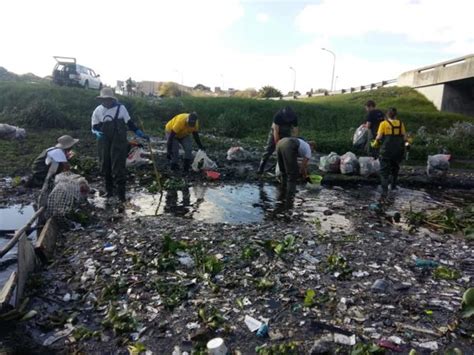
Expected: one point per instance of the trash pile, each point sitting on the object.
(304, 284)
(348, 164)
(9, 132)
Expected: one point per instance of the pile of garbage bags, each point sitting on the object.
(349, 164)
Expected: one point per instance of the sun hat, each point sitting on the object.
(107, 93)
(66, 142)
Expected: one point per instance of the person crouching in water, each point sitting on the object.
(52, 161)
(285, 124)
(178, 132)
(289, 149)
(391, 138)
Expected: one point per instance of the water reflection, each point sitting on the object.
(235, 204)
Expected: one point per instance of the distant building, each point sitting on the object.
(149, 88)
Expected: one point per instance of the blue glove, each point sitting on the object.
(140, 134)
(98, 134)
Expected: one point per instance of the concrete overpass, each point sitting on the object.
(449, 85)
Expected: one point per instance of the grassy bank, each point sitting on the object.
(47, 111)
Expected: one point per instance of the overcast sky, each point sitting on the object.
(236, 44)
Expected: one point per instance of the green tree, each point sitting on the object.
(171, 89)
(269, 91)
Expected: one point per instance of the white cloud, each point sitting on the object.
(262, 18)
(142, 39)
(429, 21)
(162, 40)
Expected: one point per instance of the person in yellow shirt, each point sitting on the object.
(178, 132)
(391, 137)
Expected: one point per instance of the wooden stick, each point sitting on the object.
(152, 156)
(11, 243)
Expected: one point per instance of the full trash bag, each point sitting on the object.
(349, 163)
(203, 162)
(11, 132)
(438, 165)
(369, 166)
(330, 163)
(137, 157)
(238, 154)
(361, 135)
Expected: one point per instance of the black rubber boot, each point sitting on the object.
(261, 167)
(186, 165)
(174, 166)
(109, 189)
(121, 193)
(393, 183)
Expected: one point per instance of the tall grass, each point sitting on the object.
(330, 121)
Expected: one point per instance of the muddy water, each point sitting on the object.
(11, 218)
(328, 208)
(233, 204)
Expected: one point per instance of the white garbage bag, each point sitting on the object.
(349, 163)
(361, 135)
(369, 166)
(11, 132)
(330, 163)
(438, 165)
(137, 157)
(238, 154)
(203, 162)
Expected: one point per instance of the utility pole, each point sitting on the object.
(294, 82)
(333, 66)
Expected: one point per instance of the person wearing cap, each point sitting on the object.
(285, 124)
(178, 132)
(289, 149)
(51, 161)
(110, 122)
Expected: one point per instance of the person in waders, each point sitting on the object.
(53, 160)
(391, 138)
(178, 132)
(285, 124)
(110, 122)
(289, 149)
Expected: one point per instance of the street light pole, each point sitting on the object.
(294, 82)
(333, 66)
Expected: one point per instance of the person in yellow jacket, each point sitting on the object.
(178, 132)
(391, 137)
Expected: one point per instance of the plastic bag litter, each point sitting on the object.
(11, 132)
(361, 135)
(369, 166)
(203, 162)
(349, 163)
(238, 154)
(330, 163)
(137, 157)
(438, 165)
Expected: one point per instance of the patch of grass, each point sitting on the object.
(48, 111)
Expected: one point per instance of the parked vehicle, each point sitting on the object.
(68, 72)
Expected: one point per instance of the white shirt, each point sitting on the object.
(103, 114)
(55, 155)
(304, 150)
